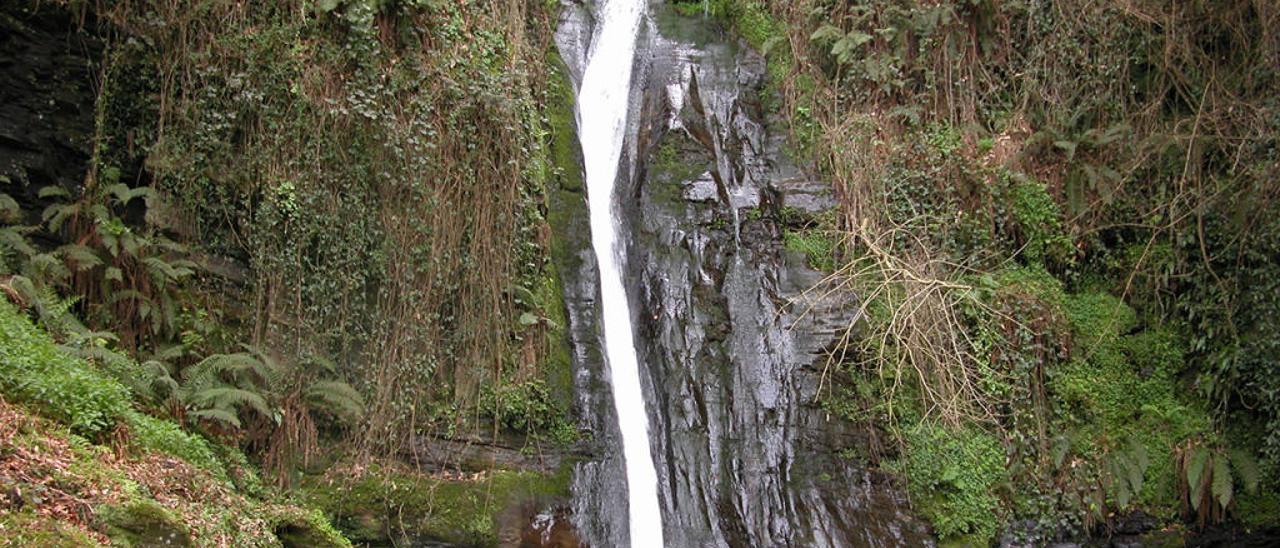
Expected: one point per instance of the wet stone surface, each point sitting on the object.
(730, 340)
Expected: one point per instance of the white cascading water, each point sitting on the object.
(602, 121)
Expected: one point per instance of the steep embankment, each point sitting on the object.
(80, 467)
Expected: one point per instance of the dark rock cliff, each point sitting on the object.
(48, 68)
(730, 339)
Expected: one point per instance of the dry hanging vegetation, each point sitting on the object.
(1136, 115)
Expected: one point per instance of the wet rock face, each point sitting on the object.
(730, 340)
(47, 67)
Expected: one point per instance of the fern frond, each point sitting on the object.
(47, 268)
(9, 208)
(168, 353)
(53, 191)
(15, 238)
(1196, 469)
(1222, 481)
(81, 256)
(230, 397)
(123, 194)
(57, 214)
(336, 398)
(1247, 468)
(218, 415)
(242, 368)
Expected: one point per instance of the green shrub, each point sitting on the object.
(35, 371)
(952, 476)
(525, 407)
(1039, 222)
(1122, 386)
(166, 437)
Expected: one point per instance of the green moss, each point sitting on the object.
(564, 146)
(669, 167)
(952, 477)
(385, 504)
(567, 217)
(297, 528)
(27, 528)
(142, 522)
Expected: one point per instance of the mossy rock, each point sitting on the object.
(27, 528)
(143, 523)
(389, 505)
(308, 530)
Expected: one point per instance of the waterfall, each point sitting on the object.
(602, 120)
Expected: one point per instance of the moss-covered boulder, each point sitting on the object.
(143, 523)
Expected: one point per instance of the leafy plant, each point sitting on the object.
(1207, 477)
(34, 370)
(275, 404)
(525, 407)
(952, 477)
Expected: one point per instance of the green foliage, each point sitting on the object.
(298, 527)
(1121, 386)
(952, 476)
(1207, 477)
(966, 135)
(1039, 224)
(276, 403)
(34, 370)
(127, 280)
(151, 434)
(25, 527)
(224, 387)
(150, 381)
(818, 246)
(374, 170)
(526, 407)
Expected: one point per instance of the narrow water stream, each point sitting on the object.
(602, 122)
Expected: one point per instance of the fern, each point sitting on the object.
(122, 194)
(336, 398)
(81, 257)
(150, 380)
(1222, 481)
(1207, 483)
(224, 416)
(10, 211)
(230, 398)
(1247, 469)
